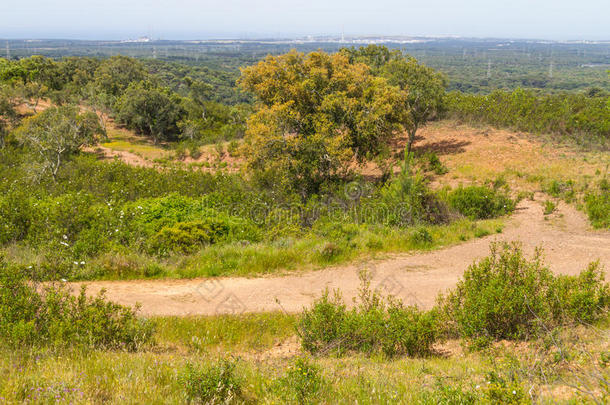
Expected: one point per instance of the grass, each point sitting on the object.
(153, 376)
(124, 141)
(239, 333)
(290, 254)
(313, 252)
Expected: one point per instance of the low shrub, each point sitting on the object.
(478, 202)
(433, 163)
(598, 205)
(215, 384)
(506, 296)
(549, 207)
(303, 380)
(39, 315)
(582, 298)
(561, 189)
(186, 237)
(374, 325)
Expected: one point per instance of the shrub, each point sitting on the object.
(478, 202)
(549, 207)
(15, 216)
(32, 315)
(598, 206)
(421, 236)
(178, 223)
(408, 200)
(581, 298)
(215, 384)
(302, 382)
(374, 325)
(561, 189)
(434, 164)
(506, 296)
(185, 237)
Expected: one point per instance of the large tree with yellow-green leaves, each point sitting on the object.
(317, 115)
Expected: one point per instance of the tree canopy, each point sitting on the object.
(316, 113)
(56, 133)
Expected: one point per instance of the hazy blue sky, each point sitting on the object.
(190, 19)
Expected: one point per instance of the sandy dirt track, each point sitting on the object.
(566, 237)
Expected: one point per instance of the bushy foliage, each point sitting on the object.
(40, 315)
(150, 110)
(57, 133)
(375, 324)
(215, 384)
(303, 380)
(316, 113)
(177, 223)
(580, 117)
(597, 205)
(506, 296)
(479, 202)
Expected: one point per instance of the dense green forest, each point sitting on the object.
(472, 65)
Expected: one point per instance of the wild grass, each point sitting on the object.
(154, 376)
(125, 141)
(235, 333)
(287, 254)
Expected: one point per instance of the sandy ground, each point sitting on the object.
(566, 237)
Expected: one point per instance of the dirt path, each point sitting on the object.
(417, 278)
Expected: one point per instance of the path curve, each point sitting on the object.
(417, 278)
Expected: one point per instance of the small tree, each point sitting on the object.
(424, 87)
(425, 90)
(115, 74)
(150, 110)
(57, 133)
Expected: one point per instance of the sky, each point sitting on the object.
(249, 19)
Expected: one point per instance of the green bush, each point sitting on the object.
(374, 325)
(32, 315)
(561, 189)
(598, 206)
(303, 380)
(477, 202)
(506, 296)
(181, 224)
(581, 298)
(73, 220)
(579, 117)
(15, 216)
(216, 384)
(549, 207)
(408, 200)
(433, 163)
(186, 237)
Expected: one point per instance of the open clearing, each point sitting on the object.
(568, 242)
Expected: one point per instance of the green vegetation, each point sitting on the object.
(477, 202)
(215, 384)
(583, 119)
(308, 127)
(598, 205)
(49, 315)
(215, 359)
(505, 296)
(373, 325)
